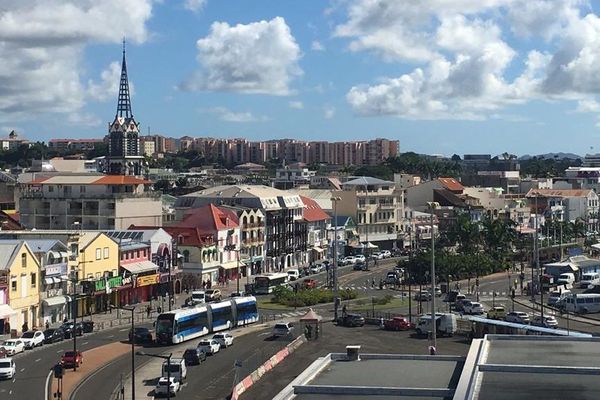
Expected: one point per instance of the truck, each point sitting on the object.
(445, 324)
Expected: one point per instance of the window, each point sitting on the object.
(81, 189)
(186, 256)
(105, 252)
(13, 285)
(50, 188)
(24, 260)
(98, 253)
(33, 280)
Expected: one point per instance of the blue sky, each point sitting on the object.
(440, 76)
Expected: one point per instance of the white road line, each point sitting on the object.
(22, 369)
(46, 385)
(123, 330)
(84, 343)
(59, 351)
(38, 360)
(111, 336)
(10, 392)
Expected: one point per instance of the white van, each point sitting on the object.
(589, 278)
(445, 323)
(293, 274)
(178, 369)
(198, 297)
(568, 278)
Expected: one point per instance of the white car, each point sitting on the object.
(13, 346)
(386, 253)
(518, 317)
(7, 368)
(32, 339)
(377, 255)
(315, 269)
(224, 339)
(348, 260)
(359, 258)
(163, 385)
(209, 346)
(547, 322)
(474, 308)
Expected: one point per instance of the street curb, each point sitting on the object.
(268, 365)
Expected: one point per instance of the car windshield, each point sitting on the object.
(70, 354)
(204, 343)
(10, 343)
(173, 368)
(281, 326)
(4, 364)
(27, 335)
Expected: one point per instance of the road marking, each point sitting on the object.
(38, 360)
(59, 351)
(123, 330)
(10, 392)
(264, 334)
(84, 343)
(46, 385)
(111, 336)
(22, 369)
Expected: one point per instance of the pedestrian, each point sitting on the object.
(373, 283)
(203, 284)
(24, 327)
(7, 327)
(148, 310)
(158, 309)
(344, 310)
(367, 282)
(47, 324)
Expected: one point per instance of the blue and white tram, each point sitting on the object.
(184, 324)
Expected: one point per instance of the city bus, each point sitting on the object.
(184, 324)
(580, 303)
(264, 284)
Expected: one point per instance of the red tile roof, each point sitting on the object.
(558, 193)
(190, 236)
(452, 184)
(210, 218)
(312, 211)
(120, 180)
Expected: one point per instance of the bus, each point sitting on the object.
(580, 303)
(264, 284)
(184, 324)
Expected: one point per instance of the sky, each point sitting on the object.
(440, 76)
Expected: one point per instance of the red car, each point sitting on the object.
(398, 324)
(72, 359)
(310, 283)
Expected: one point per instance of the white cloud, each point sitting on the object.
(224, 114)
(41, 45)
(108, 87)
(587, 105)
(462, 59)
(298, 105)
(328, 112)
(317, 46)
(194, 5)
(260, 57)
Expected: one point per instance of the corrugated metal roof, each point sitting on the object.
(558, 192)
(8, 251)
(367, 180)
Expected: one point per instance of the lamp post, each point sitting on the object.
(335, 200)
(168, 358)
(432, 206)
(132, 310)
(74, 280)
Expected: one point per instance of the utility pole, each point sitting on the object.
(433, 205)
(336, 300)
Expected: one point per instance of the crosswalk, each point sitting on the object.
(293, 314)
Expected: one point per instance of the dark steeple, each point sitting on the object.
(124, 105)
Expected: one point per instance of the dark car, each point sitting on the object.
(88, 326)
(140, 335)
(194, 356)
(68, 329)
(359, 266)
(351, 320)
(53, 335)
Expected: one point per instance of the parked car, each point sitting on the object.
(359, 266)
(437, 290)
(568, 278)
(176, 368)
(386, 253)
(496, 312)
(13, 346)
(377, 255)
(213, 294)
(71, 359)
(310, 283)
(87, 326)
(194, 356)
(140, 335)
(209, 346)
(68, 328)
(348, 260)
(547, 322)
(224, 339)
(32, 339)
(474, 308)
(198, 297)
(445, 324)
(518, 317)
(451, 296)
(351, 320)
(555, 296)
(165, 386)
(360, 257)
(283, 329)
(53, 335)
(238, 294)
(398, 324)
(391, 278)
(293, 274)
(423, 295)
(7, 368)
(460, 304)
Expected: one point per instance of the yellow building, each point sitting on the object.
(21, 269)
(95, 257)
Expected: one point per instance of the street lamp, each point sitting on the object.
(432, 206)
(132, 309)
(74, 281)
(168, 358)
(335, 200)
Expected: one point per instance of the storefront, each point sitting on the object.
(106, 293)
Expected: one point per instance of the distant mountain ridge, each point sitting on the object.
(558, 156)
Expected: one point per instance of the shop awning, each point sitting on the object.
(140, 267)
(318, 249)
(6, 311)
(231, 265)
(55, 301)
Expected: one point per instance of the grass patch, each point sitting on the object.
(267, 304)
(364, 304)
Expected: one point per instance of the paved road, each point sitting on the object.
(33, 366)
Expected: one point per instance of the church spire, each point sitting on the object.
(124, 104)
